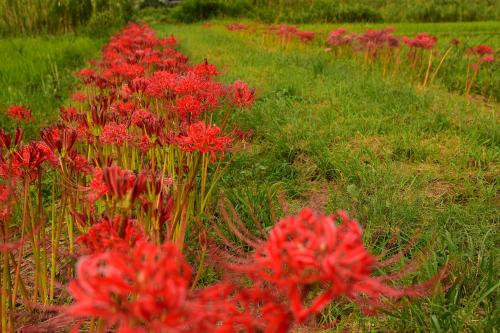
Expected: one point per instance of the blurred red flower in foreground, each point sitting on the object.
(312, 249)
(146, 287)
(308, 261)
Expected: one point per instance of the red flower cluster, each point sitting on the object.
(19, 112)
(483, 49)
(114, 133)
(104, 236)
(146, 287)
(339, 37)
(287, 32)
(423, 40)
(484, 53)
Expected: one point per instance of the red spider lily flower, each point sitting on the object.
(19, 112)
(488, 58)
(230, 308)
(29, 157)
(83, 132)
(104, 237)
(205, 139)
(243, 95)
(188, 105)
(69, 114)
(153, 58)
(140, 117)
(190, 84)
(372, 40)
(145, 287)
(144, 144)
(161, 84)
(97, 186)
(124, 70)
(310, 249)
(123, 108)
(78, 163)
(6, 140)
(483, 49)
(155, 129)
(337, 37)
(87, 75)
(119, 182)
(205, 70)
(305, 36)
(422, 40)
(338, 32)
(176, 64)
(60, 139)
(407, 40)
(210, 94)
(50, 154)
(285, 31)
(169, 41)
(79, 97)
(137, 85)
(114, 133)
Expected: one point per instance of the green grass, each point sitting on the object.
(40, 73)
(401, 160)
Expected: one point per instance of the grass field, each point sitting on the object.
(39, 72)
(403, 161)
(413, 163)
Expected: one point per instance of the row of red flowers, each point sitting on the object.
(383, 47)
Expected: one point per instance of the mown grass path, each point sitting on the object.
(405, 162)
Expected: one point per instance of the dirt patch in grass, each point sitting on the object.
(377, 144)
(317, 195)
(439, 189)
